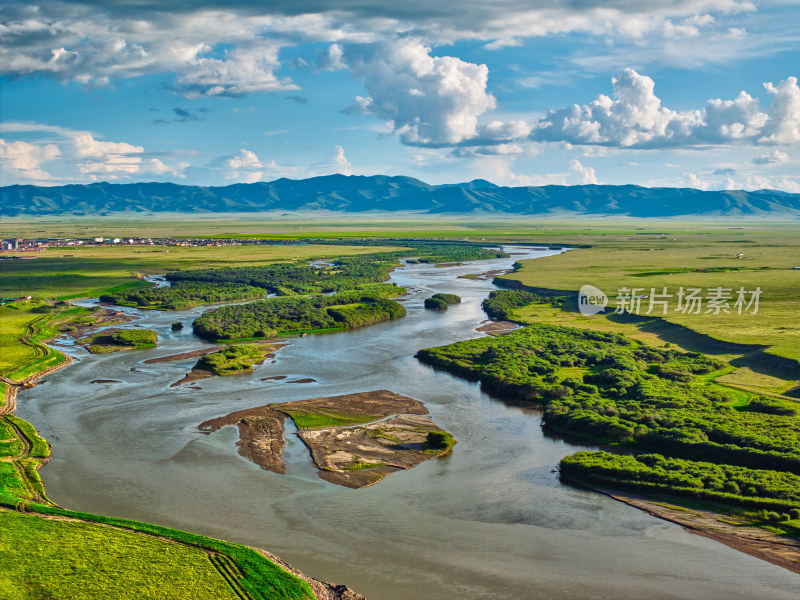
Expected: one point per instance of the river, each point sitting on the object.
(491, 521)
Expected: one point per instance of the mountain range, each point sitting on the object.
(343, 193)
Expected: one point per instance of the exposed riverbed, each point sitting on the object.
(489, 521)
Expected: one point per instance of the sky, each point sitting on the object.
(675, 93)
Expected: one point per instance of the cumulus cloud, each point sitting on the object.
(635, 118)
(776, 157)
(212, 52)
(340, 162)
(242, 159)
(336, 162)
(731, 179)
(25, 160)
(232, 48)
(427, 100)
(53, 148)
(585, 175)
(784, 122)
(494, 150)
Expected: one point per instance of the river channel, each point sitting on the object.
(491, 521)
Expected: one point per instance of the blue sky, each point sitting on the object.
(690, 93)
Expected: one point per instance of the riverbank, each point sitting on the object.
(730, 530)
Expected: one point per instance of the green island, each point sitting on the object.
(295, 314)
(184, 294)
(119, 339)
(234, 360)
(441, 301)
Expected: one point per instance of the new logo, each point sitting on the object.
(591, 300)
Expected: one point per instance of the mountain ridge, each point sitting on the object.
(361, 193)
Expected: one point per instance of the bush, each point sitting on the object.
(438, 440)
(449, 298)
(135, 337)
(435, 304)
(770, 406)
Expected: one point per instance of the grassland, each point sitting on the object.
(75, 272)
(695, 259)
(59, 559)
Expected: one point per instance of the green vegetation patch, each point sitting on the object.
(59, 559)
(233, 359)
(438, 441)
(449, 298)
(501, 304)
(266, 318)
(441, 301)
(323, 418)
(630, 394)
(757, 488)
(12, 486)
(435, 304)
(122, 339)
(39, 446)
(185, 294)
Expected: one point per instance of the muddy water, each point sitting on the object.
(490, 521)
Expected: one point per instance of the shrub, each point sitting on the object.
(449, 298)
(135, 337)
(770, 406)
(435, 304)
(438, 440)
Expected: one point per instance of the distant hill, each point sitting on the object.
(381, 193)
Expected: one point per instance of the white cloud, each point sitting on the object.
(500, 170)
(216, 49)
(93, 45)
(331, 59)
(494, 150)
(585, 175)
(241, 71)
(53, 150)
(26, 159)
(244, 159)
(336, 162)
(428, 100)
(635, 118)
(730, 179)
(776, 157)
(340, 162)
(784, 122)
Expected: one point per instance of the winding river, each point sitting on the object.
(491, 521)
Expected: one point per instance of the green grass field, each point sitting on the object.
(316, 419)
(696, 259)
(44, 558)
(75, 272)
